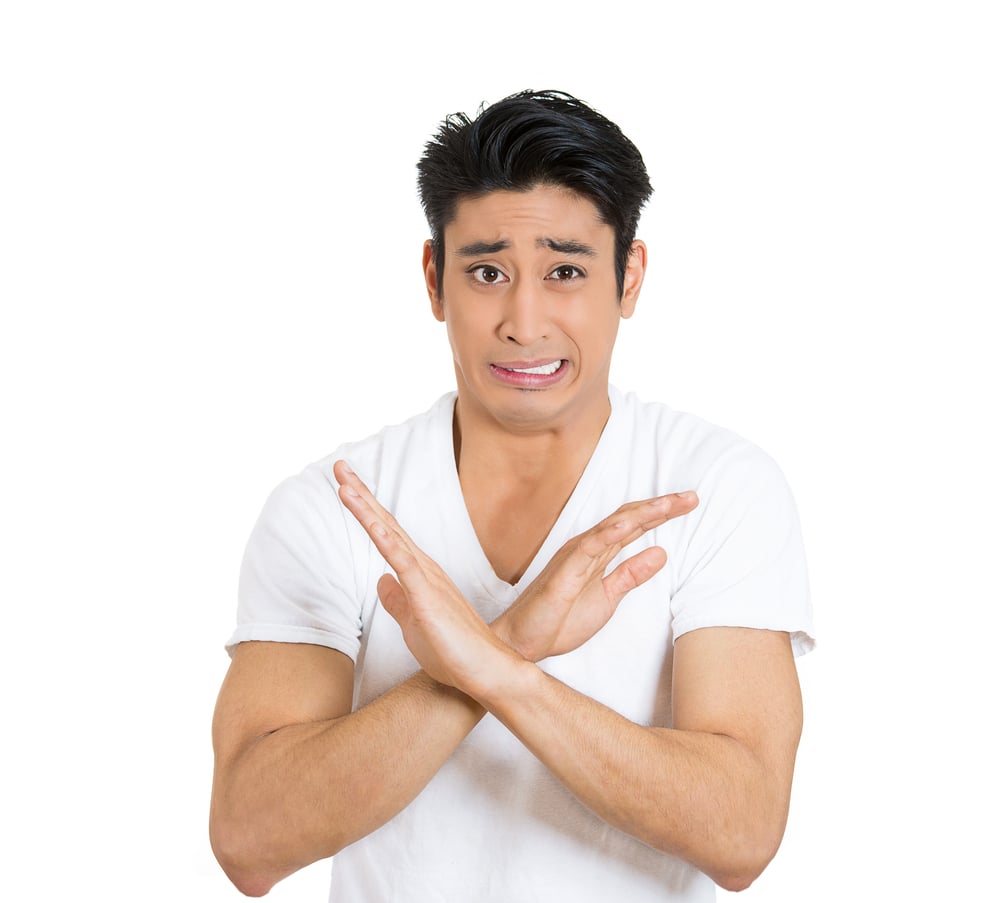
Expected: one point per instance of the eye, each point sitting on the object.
(487, 275)
(566, 273)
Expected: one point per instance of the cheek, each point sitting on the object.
(464, 331)
(595, 332)
(453, 339)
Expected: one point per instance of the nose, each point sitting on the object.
(524, 318)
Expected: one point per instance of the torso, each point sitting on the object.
(493, 824)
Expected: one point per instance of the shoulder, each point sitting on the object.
(306, 505)
(393, 447)
(687, 449)
(372, 457)
(307, 567)
(737, 559)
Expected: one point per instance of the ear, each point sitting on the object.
(431, 280)
(635, 272)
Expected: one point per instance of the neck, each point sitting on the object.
(485, 448)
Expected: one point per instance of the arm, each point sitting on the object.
(713, 790)
(298, 776)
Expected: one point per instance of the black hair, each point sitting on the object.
(529, 139)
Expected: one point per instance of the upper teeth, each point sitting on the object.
(542, 370)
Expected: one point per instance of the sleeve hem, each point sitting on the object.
(288, 633)
(802, 640)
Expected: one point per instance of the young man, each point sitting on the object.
(482, 695)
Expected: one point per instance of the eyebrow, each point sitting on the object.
(485, 248)
(567, 247)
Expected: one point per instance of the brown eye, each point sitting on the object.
(566, 273)
(487, 275)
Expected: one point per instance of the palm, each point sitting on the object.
(572, 598)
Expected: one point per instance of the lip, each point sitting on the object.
(502, 371)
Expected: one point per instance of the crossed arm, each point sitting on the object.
(298, 776)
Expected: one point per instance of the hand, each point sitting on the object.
(571, 599)
(445, 634)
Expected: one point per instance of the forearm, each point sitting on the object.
(703, 797)
(305, 791)
(715, 793)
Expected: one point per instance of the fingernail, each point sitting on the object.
(347, 467)
(351, 491)
(687, 495)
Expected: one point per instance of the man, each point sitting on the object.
(482, 695)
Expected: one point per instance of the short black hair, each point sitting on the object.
(529, 139)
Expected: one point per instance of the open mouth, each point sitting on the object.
(540, 370)
(530, 376)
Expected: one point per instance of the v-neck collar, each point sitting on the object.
(561, 531)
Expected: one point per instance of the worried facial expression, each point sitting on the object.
(530, 299)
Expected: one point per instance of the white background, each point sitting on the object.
(209, 254)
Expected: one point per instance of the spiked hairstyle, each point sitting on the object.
(529, 139)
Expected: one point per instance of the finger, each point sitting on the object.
(355, 488)
(607, 538)
(674, 504)
(359, 500)
(634, 572)
(399, 554)
(405, 558)
(378, 528)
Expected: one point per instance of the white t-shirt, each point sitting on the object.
(493, 824)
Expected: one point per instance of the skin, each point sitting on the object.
(529, 280)
(513, 299)
(528, 302)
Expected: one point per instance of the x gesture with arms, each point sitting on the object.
(567, 670)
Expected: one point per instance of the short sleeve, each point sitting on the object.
(744, 564)
(298, 580)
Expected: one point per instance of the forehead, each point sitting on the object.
(542, 212)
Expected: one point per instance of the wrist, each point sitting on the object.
(428, 686)
(502, 630)
(498, 670)
(510, 677)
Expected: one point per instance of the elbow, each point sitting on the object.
(736, 881)
(248, 881)
(242, 867)
(742, 864)
(735, 877)
(252, 887)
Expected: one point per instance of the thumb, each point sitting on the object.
(392, 595)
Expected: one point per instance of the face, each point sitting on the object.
(531, 303)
